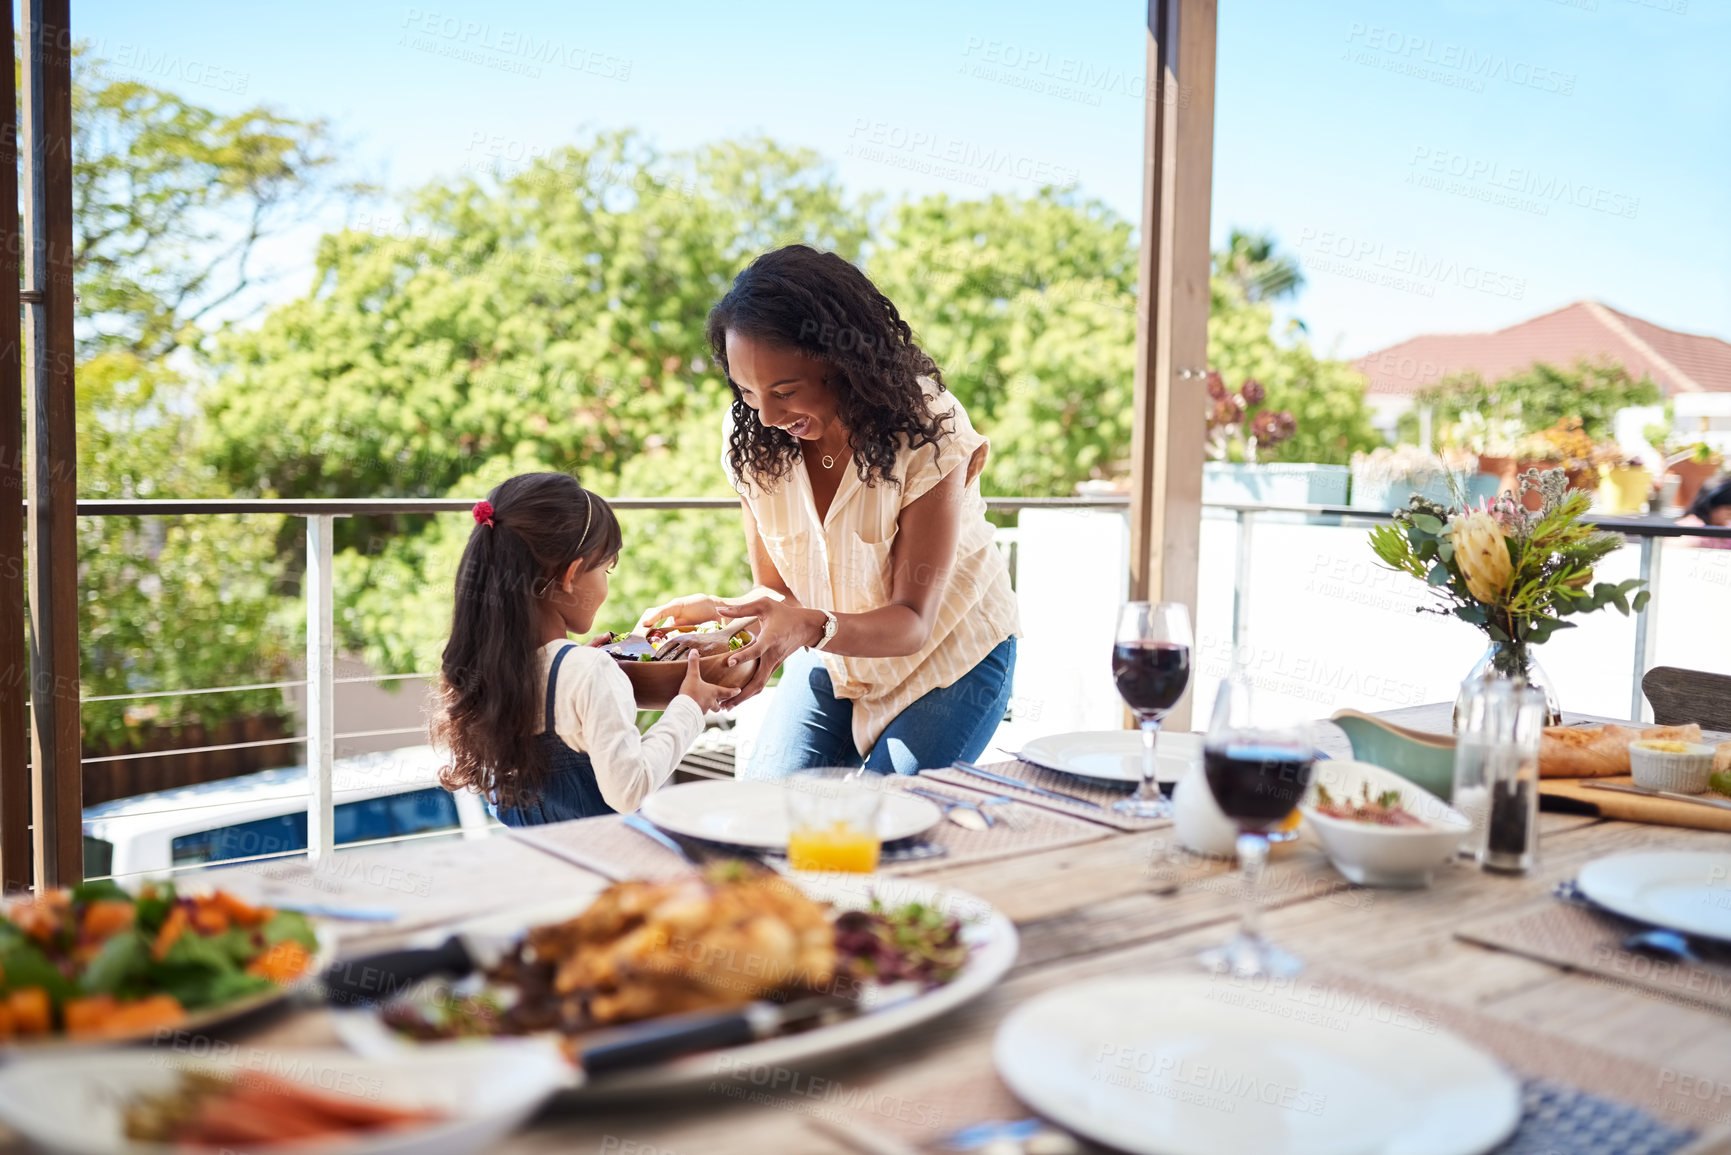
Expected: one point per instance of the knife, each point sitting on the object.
(1006, 780)
(671, 1036)
(378, 978)
(1645, 792)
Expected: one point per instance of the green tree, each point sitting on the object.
(1028, 306)
(552, 319)
(171, 201)
(1535, 398)
(1250, 264)
(1326, 398)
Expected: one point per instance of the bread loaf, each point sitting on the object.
(1601, 751)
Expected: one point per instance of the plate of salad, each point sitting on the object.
(95, 963)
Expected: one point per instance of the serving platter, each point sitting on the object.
(754, 813)
(1192, 1065)
(1684, 890)
(196, 1022)
(1113, 755)
(989, 934)
(69, 1103)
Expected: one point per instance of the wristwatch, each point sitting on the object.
(828, 629)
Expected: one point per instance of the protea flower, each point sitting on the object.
(1252, 392)
(1482, 555)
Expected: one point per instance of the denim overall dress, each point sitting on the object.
(570, 789)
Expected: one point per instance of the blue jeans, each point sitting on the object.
(809, 726)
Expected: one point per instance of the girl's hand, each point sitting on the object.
(710, 697)
(692, 610)
(781, 629)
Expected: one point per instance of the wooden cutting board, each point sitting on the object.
(1580, 799)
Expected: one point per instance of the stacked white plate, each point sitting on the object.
(1199, 1066)
(1114, 755)
(1684, 890)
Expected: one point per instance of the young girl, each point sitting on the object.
(541, 726)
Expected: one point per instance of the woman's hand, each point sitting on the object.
(781, 629)
(692, 610)
(706, 695)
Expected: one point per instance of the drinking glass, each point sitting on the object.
(1257, 769)
(832, 820)
(1151, 664)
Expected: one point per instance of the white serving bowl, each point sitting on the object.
(1683, 772)
(71, 1105)
(1396, 856)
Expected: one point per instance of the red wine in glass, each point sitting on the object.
(1257, 767)
(1151, 667)
(1151, 676)
(1257, 787)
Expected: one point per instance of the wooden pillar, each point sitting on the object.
(56, 775)
(14, 663)
(1172, 309)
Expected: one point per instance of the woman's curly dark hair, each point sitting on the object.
(799, 298)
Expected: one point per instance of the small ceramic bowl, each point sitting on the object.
(1371, 855)
(1682, 767)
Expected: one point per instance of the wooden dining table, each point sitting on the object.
(1131, 904)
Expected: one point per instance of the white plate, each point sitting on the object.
(1194, 1065)
(69, 1104)
(989, 934)
(1686, 890)
(754, 813)
(1113, 754)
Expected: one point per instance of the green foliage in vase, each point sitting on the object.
(1514, 573)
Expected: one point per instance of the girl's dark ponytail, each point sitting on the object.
(491, 689)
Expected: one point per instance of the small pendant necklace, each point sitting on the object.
(828, 461)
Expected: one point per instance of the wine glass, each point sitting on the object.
(1257, 770)
(1151, 664)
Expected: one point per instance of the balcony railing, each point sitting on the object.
(1244, 519)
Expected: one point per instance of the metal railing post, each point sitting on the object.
(1241, 582)
(321, 688)
(1646, 626)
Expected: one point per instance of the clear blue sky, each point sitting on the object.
(1440, 166)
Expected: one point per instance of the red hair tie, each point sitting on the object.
(483, 512)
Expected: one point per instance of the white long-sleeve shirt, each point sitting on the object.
(594, 712)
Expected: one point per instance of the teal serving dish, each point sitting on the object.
(1425, 759)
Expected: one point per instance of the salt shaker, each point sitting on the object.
(1497, 773)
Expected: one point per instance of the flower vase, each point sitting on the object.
(1514, 661)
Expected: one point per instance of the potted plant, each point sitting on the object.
(1694, 466)
(1240, 429)
(1625, 482)
(1515, 573)
(1386, 477)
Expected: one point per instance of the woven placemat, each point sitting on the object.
(608, 847)
(1020, 829)
(605, 845)
(1577, 1100)
(1591, 941)
(1102, 793)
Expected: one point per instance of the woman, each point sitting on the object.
(1712, 506)
(877, 581)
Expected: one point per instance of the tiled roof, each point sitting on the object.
(1679, 362)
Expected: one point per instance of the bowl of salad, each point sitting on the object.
(95, 963)
(1377, 827)
(654, 660)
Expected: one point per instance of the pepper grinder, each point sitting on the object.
(1509, 720)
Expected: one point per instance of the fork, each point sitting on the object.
(971, 812)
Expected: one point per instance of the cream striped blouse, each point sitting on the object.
(843, 564)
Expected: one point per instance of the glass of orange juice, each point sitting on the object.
(832, 820)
